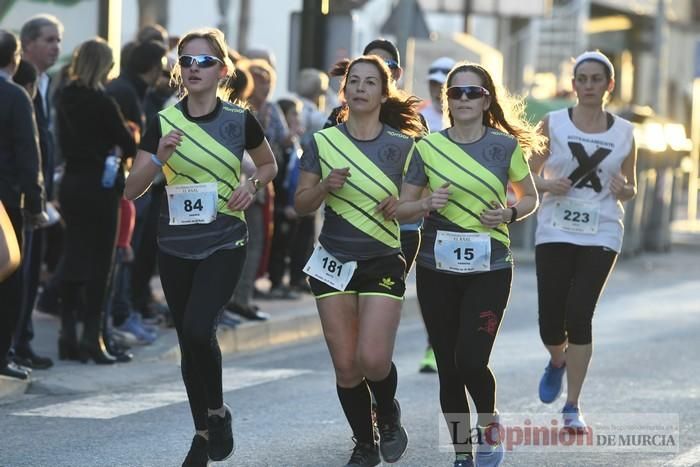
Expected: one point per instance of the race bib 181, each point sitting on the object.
(325, 267)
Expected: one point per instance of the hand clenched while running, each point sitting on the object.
(492, 218)
(388, 207)
(168, 144)
(336, 179)
(437, 199)
(241, 198)
(558, 186)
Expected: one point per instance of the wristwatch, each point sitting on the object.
(513, 214)
(256, 183)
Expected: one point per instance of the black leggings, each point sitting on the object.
(570, 279)
(196, 291)
(462, 315)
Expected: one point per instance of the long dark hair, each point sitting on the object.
(506, 113)
(400, 110)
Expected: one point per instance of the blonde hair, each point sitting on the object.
(258, 65)
(217, 43)
(91, 63)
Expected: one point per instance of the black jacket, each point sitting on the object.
(90, 125)
(20, 160)
(129, 91)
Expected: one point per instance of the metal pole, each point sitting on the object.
(243, 26)
(110, 28)
(659, 78)
(467, 13)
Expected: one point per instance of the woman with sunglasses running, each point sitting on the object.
(357, 271)
(464, 265)
(198, 144)
(589, 170)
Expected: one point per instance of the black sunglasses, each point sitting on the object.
(392, 64)
(472, 92)
(203, 61)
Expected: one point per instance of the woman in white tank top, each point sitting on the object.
(587, 173)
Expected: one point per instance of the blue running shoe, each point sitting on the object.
(551, 383)
(490, 456)
(573, 420)
(132, 326)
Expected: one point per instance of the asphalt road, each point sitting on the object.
(286, 412)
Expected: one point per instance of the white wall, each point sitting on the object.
(80, 21)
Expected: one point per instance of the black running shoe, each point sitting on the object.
(197, 456)
(364, 455)
(393, 439)
(220, 446)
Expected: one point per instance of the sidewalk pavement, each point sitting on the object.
(291, 321)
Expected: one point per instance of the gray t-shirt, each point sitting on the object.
(388, 151)
(496, 153)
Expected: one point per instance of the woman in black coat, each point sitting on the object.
(93, 134)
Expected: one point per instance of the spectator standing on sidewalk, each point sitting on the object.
(198, 144)
(277, 134)
(91, 126)
(588, 171)
(357, 270)
(41, 45)
(464, 266)
(286, 219)
(311, 88)
(141, 72)
(21, 186)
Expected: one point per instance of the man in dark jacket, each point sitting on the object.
(21, 186)
(41, 39)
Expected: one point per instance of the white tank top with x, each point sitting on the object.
(589, 214)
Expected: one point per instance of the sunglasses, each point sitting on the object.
(392, 64)
(472, 92)
(203, 61)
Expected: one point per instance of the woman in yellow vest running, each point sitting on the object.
(464, 266)
(198, 144)
(356, 272)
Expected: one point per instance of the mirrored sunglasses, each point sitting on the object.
(203, 61)
(472, 92)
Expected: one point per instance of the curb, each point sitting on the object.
(12, 388)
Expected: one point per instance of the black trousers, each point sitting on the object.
(196, 291)
(11, 292)
(463, 314)
(31, 270)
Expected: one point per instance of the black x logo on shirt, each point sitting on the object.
(584, 176)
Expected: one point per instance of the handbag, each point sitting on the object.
(9, 248)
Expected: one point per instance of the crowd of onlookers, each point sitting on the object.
(88, 254)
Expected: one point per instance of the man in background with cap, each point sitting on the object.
(437, 75)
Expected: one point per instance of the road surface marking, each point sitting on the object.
(106, 406)
(687, 459)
